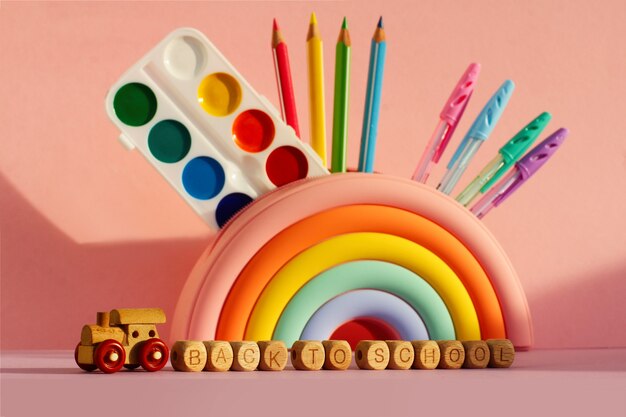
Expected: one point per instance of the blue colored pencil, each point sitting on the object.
(372, 99)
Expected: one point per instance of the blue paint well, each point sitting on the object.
(203, 178)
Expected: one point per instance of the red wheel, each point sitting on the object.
(153, 355)
(84, 366)
(109, 356)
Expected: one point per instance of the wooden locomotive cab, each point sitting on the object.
(123, 338)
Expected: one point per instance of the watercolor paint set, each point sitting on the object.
(203, 127)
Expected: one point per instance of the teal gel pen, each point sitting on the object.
(507, 156)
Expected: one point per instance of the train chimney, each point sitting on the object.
(102, 318)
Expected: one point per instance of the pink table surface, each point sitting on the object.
(562, 382)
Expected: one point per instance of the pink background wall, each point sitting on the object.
(87, 226)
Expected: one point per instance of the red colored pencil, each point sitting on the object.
(283, 79)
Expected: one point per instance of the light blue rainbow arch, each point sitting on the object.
(365, 304)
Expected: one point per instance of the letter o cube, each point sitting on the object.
(338, 355)
(476, 354)
(452, 354)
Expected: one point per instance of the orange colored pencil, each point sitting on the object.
(283, 79)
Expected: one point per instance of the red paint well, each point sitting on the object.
(286, 164)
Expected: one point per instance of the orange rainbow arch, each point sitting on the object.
(229, 294)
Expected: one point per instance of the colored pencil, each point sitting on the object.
(283, 79)
(342, 90)
(372, 100)
(316, 89)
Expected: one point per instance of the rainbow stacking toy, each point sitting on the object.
(292, 251)
(307, 257)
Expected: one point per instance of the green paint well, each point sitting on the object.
(169, 141)
(135, 104)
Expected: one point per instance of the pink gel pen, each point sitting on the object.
(521, 172)
(448, 121)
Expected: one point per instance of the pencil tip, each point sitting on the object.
(380, 22)
(275, 26)
(313, 19)
(344, 25)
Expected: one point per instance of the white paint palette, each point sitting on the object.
(203, 127)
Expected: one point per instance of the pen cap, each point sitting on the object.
(487, 118)
(490, 114)
(535, 159)
(540, 154)
(456, 104)
(516, 147)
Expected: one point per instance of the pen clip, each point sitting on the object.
(533, 160)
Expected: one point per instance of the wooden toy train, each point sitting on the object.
(123, 338)
(128, 338)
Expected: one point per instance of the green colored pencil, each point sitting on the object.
(340, 110)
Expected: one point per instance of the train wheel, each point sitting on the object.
(153, 355)
(84, 366)
(109, 356)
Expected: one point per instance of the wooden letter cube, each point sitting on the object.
(188, 356)
(338, 354)
(246, 356)
(452, 354)
(476, 354)
(307, 355)
(427, 354)
(502, 353)
(401, 354)
(274, 355)
(219, 356)
(372, 354)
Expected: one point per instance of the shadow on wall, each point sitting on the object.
(590, 312)
(51, 285)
